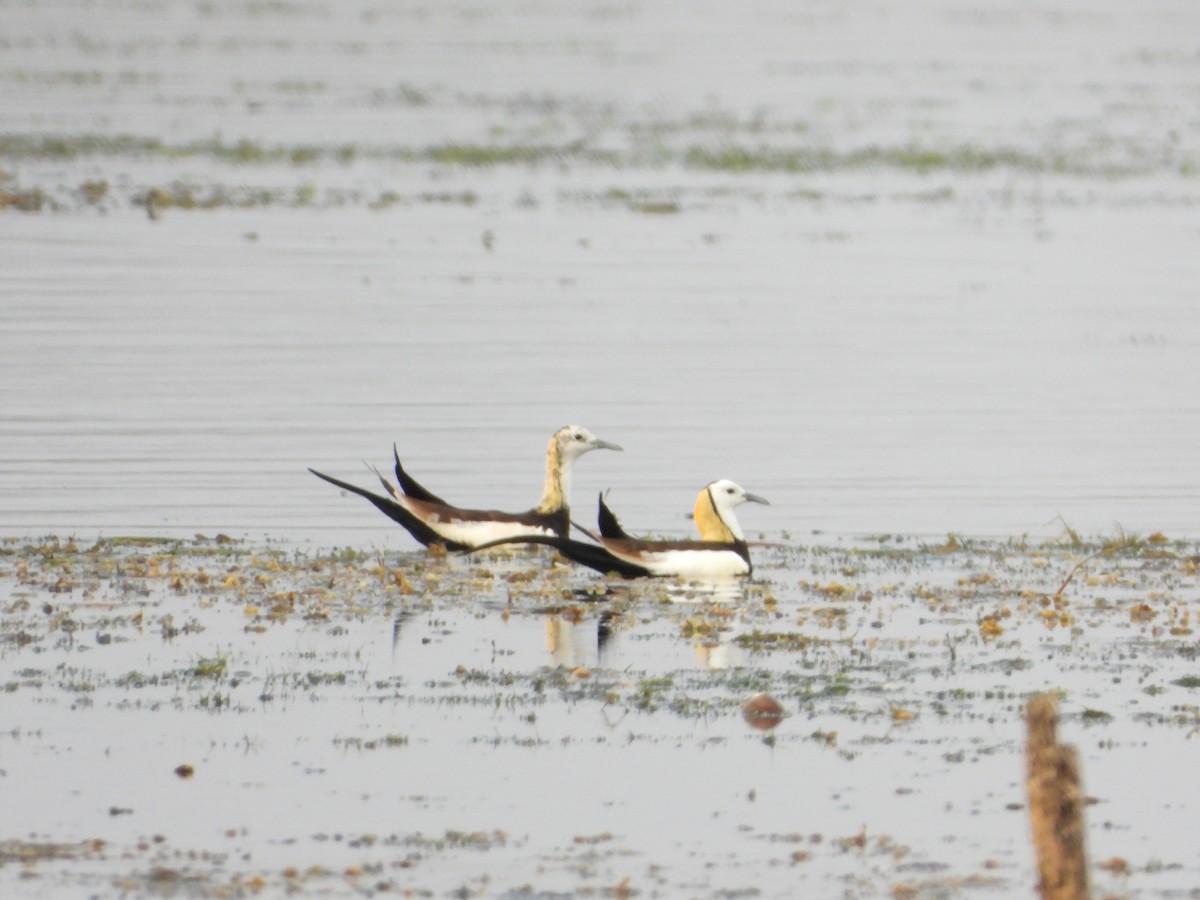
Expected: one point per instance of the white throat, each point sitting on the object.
(731, 523)
(725, 514)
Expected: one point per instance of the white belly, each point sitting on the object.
(696, 565)
(473, 534)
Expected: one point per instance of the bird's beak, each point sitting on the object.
(754, 498)
(606, 445)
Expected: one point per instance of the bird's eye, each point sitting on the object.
(730, 491)
(579, 437)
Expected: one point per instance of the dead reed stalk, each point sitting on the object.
(1055, 805)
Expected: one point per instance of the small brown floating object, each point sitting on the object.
(1055, 805)
(762, 711)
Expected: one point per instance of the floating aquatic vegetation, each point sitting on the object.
(892, 658)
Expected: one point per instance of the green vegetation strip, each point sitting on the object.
(726, 155)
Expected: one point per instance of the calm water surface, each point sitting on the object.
(888, 346)
(175, 377)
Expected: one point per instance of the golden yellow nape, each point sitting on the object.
(553, 496)
(708, 523)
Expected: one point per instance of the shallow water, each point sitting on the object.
(945, 284)
(424, 725)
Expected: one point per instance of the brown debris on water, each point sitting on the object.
(763, 712)
(1055, 805)
(29, 852)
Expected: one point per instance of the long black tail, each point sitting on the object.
(609, 526)
(396, 513)
(591, 555)
(411, 486)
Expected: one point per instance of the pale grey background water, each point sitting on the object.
(875, 347)
(966, 302)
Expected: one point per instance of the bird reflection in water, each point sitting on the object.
(398, 624)
(576, 640)
(713, 648)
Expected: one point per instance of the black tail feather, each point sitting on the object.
(591, 555)
(387, 485)
(396, 513)
(609, 526)
(411, 486)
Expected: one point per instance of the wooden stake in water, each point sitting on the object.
(1055, 805)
